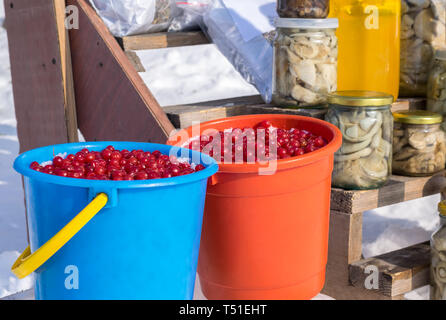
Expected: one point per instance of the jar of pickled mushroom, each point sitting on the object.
(365, 159)
(438, 255)
(419, 145)
(436, 86)
(305, 61)
(303, 8)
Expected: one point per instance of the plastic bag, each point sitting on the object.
(189, 16)
(422, 30)
(129, 17)
(253, 59)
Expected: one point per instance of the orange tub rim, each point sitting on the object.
(333, 145)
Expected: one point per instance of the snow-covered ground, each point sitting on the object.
(179, 76)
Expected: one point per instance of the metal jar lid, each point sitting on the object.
(417, 117)
(301, 23)
(360, 98)
(442, 208)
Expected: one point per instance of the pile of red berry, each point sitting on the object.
(111, 164)
(264, 142)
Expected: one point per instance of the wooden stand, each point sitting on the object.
(113, 103)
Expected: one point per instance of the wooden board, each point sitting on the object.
(135, 61)
(183, 116)
(113, 103)
(344, 248)
(162, 40)
(67, 72)
(37, 73)
(398, 189)
(400, 271)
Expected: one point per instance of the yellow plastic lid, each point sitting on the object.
(417, 117)
(360, 98)
(442, 208)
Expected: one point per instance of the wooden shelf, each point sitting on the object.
(398, 189)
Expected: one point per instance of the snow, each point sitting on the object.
(191, 74)
(181, 76)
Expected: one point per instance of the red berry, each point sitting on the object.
(200, 167)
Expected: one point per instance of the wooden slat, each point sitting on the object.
(409, 104)
(162, 40)
(344, 248)
(136, 62)
(398, 189)
(67, 72)
(182, 116)
(37, 73)
(400, 271)
(113, 103)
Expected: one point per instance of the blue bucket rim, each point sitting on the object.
(23, 161)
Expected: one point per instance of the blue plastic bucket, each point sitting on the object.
(143, 244)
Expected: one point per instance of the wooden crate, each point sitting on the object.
(113, 103)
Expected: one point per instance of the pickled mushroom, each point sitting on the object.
(364, 159)
(420, 151)
(422, 29)
(438, 265)
(306, 68)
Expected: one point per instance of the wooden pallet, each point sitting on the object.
(113, 103)
(400, 271)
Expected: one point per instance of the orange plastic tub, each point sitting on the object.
(266, 236)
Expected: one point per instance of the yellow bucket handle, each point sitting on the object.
(27, 263)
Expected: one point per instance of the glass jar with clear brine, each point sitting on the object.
(419, 147)
(305, 61)
(438, 256)
(365, 159)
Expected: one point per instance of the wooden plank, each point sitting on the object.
(398, 189)
(409, 104)
(344, 248)
(37, 75)
(400, 271)
(162, 40)
(136, 62)
(67, 72)
(113, 103)
(184, 116)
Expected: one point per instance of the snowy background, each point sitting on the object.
(181, 76)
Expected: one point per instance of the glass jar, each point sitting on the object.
(419, 145)
(369, 44)
(303, 8)
(438, 256)
(422, 30)
(436, 88)
(365, 159)
(305, 61)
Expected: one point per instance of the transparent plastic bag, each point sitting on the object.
(422, 30)
(253, 59)
(189, 16)
(130, 17)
